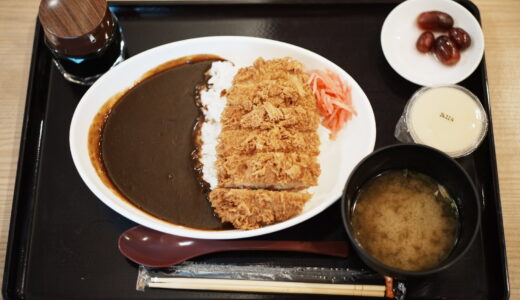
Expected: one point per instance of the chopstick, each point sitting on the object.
(267, 286)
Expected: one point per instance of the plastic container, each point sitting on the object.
(448, 118)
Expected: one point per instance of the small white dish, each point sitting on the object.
(399, 35)
(337, 158)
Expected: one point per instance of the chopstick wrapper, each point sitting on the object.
(267, 278)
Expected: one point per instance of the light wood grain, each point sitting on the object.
(501, 20)
(282, 287)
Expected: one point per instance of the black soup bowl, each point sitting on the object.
(431, 162)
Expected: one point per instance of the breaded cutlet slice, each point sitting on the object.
(271, 170)
(277, 139)
(281, 82)
(266, 116)
(272, 69)
(281, 93)
(262, 68)
(250, 209)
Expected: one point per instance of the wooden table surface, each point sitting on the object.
(500, 18)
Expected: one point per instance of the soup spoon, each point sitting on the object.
(157, 249)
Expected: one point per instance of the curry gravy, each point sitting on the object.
(141, 144)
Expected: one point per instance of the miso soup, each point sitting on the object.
(405, 220)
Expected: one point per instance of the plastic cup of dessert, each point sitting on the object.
(449, 118)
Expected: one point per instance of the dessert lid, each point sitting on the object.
(449, 118)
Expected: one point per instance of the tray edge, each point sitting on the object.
(15, 261)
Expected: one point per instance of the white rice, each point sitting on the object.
(222, 74)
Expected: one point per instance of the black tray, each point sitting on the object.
(62, 240)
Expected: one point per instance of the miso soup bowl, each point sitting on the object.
(429, 161)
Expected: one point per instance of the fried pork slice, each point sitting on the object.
(266, 116)
(280, 82)
(279, 93)
(250, 209)
(271, 170)
(277, 139)
(269, 69)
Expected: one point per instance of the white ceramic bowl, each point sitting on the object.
(337, 158)
(399, 35)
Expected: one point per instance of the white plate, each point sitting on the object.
(337, 158)
(399, 35)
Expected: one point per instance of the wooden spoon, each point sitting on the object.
(157, 249)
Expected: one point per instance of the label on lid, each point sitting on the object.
(448, 118)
